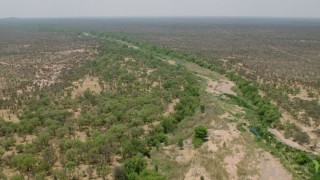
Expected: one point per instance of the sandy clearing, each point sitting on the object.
(218, 87)
(81, 136)
(227, 135)
(303, 94)
(211, 145)
(182, 156)
(195, 172)
(127, 59)
(150, 126)
(211, 87)
(226, 87)
(172, 62)
(186, 154)
(231, 161)
(155, 84)
(8, 116)
(170, 107)
(149, 71)
(89, 83)
(270, 168)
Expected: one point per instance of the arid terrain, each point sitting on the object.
(159, 98)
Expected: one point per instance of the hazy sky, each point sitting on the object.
(102, 8)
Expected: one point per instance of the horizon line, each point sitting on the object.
(102, 17)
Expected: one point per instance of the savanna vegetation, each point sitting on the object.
(78, 104)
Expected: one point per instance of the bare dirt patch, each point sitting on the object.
(303, 94)
(172, 62)
(226, 87)
(8, 116)
(88, 83)
(231, 161)
(218, 87)
(155, 84)
(183, 156)
(81, 136)
(227, 135)
(170, 107)
(195, 172)
(127, 59)
(271, 168)
(149, 71)
(150, 126)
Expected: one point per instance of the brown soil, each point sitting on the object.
(126, 59)
(172, 62)
(81, 136)
(218, 87)
(89, 83)
(271, 168)
(149, 71)
(226, 87)
(195, 172)
(8, 116)
(231, 161)
(303, 94)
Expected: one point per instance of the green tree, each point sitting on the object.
(135, 164)
(25, 162)
(201, 132)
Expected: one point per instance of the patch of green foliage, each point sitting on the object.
(200, 135)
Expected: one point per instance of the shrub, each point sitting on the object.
(202, 108)
(201, 132)
(180, 143)
(301, 137)
(135, 164)
(119, 173)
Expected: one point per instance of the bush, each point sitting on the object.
(301, 137)
(135, 164)
(25, 162)
(241, 128)
(202, 108)
(180, 143)
(151, 175)
(169, 125)
(201, 132)
(119, 173)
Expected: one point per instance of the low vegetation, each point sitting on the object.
(107, 109)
